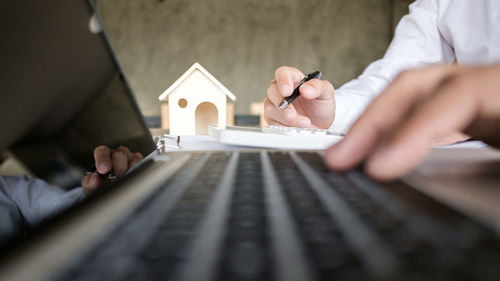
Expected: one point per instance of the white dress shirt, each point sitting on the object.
(434, 32)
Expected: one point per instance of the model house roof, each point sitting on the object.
(196, 66)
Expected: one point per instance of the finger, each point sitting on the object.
(273, 94)
(271, 121)
(383, 115)
(451, 108)
(274, 113)
(102, 157)
(283, 115)
(125, 150)
(120, 160)
(134, 159)
(91, 182)
(317, 89)
(287, 117)
(85, 180)
(286, 79)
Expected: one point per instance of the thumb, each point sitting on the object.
(90, 182)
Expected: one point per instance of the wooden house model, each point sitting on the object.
(195, 101)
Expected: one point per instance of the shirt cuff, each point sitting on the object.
(346, 113)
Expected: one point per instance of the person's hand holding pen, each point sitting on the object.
(117, 161)
(314, 108)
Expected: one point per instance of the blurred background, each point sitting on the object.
(242, 42)
(239, 42)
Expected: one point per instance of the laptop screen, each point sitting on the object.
(62, 95)
(62, 92)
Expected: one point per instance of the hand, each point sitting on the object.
(314, 108)
(118, 160)
(420, 106)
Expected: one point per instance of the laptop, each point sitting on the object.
(264, 214)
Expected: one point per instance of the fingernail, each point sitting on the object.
(306, 89)
(104, 167)
(304, 123)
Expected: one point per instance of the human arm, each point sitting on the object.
(417, 42)
(395, 132)
(34, 199)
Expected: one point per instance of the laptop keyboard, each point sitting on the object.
(285, 216)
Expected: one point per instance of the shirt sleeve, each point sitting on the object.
(417, 42)
(37, 199)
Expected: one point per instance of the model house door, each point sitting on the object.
(206, 114)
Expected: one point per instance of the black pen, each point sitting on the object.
(288, 100)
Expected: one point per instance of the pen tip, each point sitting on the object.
(283, 104)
